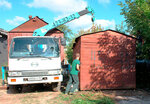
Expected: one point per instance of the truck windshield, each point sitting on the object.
(34, 47)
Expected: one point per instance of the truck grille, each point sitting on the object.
(40, 73)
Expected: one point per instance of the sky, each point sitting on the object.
(15, 12)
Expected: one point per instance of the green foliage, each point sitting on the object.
(68, 35)
(137, 17)
(121, 28)
(86, 98)
(95, 28)
(69, 47)
(106, 100)
(67, 31)
(64, 98)
(69, 51)
(103, 100)
(87, 101)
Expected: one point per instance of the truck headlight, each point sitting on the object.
(15, 73)
(54, 72)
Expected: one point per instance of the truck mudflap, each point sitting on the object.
(34, 80)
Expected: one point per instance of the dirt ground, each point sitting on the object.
(38, 95)
(44, 95)
(29, 95)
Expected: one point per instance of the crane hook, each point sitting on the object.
(93, 18)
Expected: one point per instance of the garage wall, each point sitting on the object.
(108, 61)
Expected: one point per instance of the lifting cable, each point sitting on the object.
(92, 4)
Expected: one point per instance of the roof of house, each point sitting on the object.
(30, 25)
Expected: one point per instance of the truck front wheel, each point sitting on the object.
(15, 88)
(56, 86)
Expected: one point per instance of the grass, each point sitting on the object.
(81, 97)
(86, 97)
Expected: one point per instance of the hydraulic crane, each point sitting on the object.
(37, 60)
(43, 30)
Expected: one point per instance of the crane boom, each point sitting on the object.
(43, 30)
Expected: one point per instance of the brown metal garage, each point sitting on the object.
(108, 60)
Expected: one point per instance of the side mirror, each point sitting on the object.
(63, 41)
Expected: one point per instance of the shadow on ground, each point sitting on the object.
(38, 87)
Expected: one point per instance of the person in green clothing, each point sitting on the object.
(73, 78)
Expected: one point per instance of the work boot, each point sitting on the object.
(76, 90)
(71, 93)
(66, 93)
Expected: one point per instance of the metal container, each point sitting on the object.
(108, 60)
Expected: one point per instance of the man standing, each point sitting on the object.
(73, 78)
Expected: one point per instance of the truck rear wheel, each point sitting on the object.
(56, 86)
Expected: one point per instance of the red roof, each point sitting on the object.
(106, 31)
(102, 31)
(30, 25)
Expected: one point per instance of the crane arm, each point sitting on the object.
(43, 30)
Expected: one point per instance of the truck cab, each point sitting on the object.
(34, 60)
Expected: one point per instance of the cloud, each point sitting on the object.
(104, 1)
(6, 4)
(16, 21)
(81, 23)
(106, 23)
(67, 7)
(85, 22)
(63, 6)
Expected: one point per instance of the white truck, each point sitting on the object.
(36, 59)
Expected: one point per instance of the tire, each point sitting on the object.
(56, 86)
(14, 89)
(18, 88)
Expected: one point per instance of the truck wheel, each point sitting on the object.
(11, 89)
(56, 86)
(14, 89)
(18, 88)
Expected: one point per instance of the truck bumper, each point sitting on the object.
(34, 80)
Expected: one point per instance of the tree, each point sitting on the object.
(69, 51)
(137, 17)
(69, 47)
(121, 28)
(95, 28)
(67, 31)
